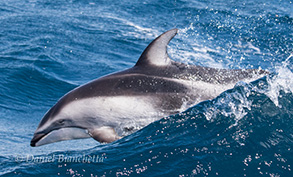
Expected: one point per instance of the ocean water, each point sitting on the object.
(48, 47)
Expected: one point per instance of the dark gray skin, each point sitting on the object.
(171, 87)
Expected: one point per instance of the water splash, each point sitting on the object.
(281, 81)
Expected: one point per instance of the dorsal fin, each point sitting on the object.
(156, 52)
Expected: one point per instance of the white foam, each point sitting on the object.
(246, 47)
(235, 103)
(238, 103)
(139, 32)
(282, 81)
(192, 52)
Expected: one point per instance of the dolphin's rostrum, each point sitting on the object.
(156, 86)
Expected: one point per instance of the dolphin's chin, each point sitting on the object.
(61, 134)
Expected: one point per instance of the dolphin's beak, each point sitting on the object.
(61, 134)
(36, 138)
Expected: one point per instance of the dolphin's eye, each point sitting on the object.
(61, 122)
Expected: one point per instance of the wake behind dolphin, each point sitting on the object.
(155, 87)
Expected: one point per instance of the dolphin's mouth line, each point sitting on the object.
(36, 138)
(39, 137)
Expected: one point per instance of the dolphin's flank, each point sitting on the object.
(114, 105)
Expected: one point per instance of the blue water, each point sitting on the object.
(48, 47)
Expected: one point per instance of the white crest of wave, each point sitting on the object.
(237, 103)
(192, 51)
(137, 31)
(281, 81)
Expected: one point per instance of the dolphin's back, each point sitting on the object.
(156, 75)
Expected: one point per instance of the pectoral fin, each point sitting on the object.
(104, 134)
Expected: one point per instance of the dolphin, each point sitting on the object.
(156, 86)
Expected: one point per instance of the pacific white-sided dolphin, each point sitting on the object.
(155, 87)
